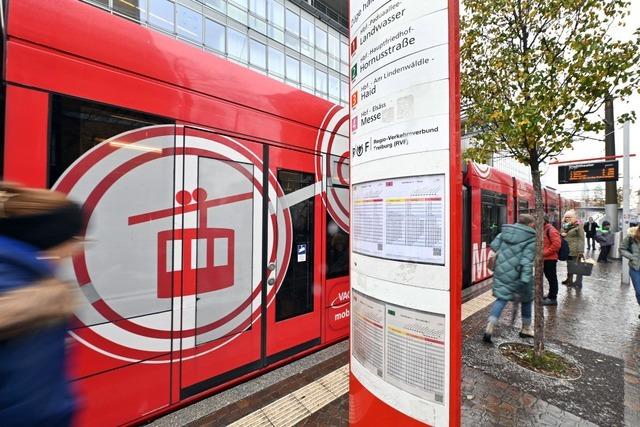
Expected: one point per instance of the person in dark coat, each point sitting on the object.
(515, 250)
(37, 230)
(590, 229)
(606, 239)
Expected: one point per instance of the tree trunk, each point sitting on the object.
(538, 324)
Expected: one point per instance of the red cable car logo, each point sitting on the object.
(153, 260)
(211, 276)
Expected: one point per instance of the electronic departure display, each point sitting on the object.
(588, 172)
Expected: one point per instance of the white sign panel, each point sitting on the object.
(405, 347)
(399, 79)
(405, 265)
(415, 352)
(400, 219)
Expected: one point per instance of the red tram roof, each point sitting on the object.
(87, 32)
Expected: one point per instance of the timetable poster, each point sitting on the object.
(368, 332)
(400, 219)
(415, 352)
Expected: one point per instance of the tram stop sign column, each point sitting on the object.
(406, 223)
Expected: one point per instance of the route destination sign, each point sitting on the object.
(588, 172)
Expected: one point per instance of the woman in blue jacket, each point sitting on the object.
(515, 249)
(37, 230)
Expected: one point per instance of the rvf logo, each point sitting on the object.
(354, 71)
(354, 99)
(354, 123)
(359, 150)
(354, 45)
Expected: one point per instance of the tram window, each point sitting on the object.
(295, 296)
(523, 207)
(337, 238)
(494, 214)
(77, 126)
(130, 8)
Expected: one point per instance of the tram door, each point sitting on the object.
(220, 204)
(294, 307)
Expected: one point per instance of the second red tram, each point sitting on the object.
(493, 198)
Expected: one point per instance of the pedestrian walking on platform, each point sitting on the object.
(37, 230)
(574, 235)
(590, 230)
(630, 249)
(515, 249)
(605, 238)
(552, 244)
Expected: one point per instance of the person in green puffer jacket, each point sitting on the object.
(515, 249)
(630, 249)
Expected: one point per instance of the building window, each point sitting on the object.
(257, 54)
(321, 39)
(244, 4)
(307, 37)
(344, 53)
(214, 36)
(237, 11)
(321, 82)
(216, 4)
(189, 24)
(103, 3)
(292, 36)
(237, 45)
(275, 12)
(293, 69)
(258, 8)
(161, 14)
(130, 8)
(344, 91)
(306, 75)
(276, 62)
(334, 53)
(275, 15)
(334, 88)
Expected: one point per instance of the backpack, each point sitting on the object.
(563, 252)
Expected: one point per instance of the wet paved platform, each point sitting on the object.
(597, 326)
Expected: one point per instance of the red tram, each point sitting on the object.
(218, 201)
(217, 197)
(493, 198)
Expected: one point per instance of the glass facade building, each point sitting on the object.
(278, 38)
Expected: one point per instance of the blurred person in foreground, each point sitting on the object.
(630, 249)
(515, 249)
(38, 229)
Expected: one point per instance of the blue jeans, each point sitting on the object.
(635, 279)
(500, 304)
